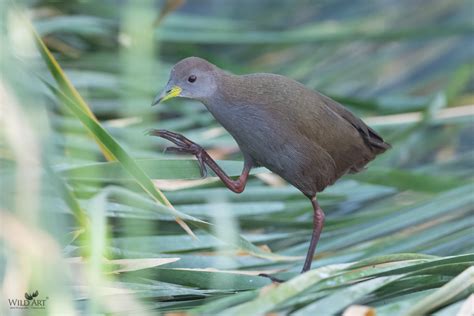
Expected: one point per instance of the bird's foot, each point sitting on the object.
(183, 146)
(272, 278)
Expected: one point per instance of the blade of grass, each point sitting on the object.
(323, 34)
(137, 201)
(266, 301)
(118, 153)
(334, 303)
(330, 277)
(462, 282)
(68, 196)
(408, 180)
(65, 85)
(80, 108)
(204, 279)
(182, 169)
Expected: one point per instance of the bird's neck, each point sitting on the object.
(220, 100)
(222, 105)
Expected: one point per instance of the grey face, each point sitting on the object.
(192, 78)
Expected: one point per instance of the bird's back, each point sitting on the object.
(305, 137)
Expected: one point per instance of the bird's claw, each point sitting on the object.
(177, 139)
(184, 146)
(272, 278)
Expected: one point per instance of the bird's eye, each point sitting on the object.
(192, 78)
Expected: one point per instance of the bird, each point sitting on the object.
(301, 135)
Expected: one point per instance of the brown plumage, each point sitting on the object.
(305, 137)
(301, 135)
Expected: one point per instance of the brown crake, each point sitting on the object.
(305, 137)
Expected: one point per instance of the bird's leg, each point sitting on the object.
(185, 145)
(236, 186)
(318, 223)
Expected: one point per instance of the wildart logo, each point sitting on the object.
(31, 296)
(31, 301)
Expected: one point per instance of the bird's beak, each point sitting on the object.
(175, 91)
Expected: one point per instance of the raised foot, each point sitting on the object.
(183, 146)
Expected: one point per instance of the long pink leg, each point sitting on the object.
(318, 223)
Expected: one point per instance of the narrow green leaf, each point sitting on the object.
(335, 303)
(408, 180)
(444, 294)
(184, 169)
(114, 148)
(65, 85)
(266, 302)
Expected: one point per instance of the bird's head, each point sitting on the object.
(193, 78)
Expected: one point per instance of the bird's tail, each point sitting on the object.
(375, 142)
(376, 145)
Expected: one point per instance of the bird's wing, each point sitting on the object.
(369, 135)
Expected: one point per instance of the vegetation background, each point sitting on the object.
(97, 219)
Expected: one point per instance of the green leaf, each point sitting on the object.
(335, 303)
(65, 86)
(114, 148)
(443, 295)
(408, 180)
(154, 168)
(219, 280)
